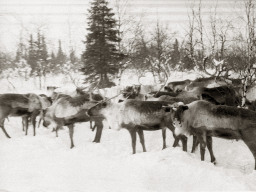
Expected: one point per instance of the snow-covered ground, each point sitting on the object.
(45, 163)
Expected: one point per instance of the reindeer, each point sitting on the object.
(67, 111)
(157, 94)
(215, 79)
(133, 92)
(223, 95)
(177, 86)
(19, 105)
(135, 115)
(171, 100)
(204, 119)
(79, 92)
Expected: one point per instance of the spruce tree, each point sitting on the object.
(61, 57)
(175, 54)
(32, 55)
(101, 52)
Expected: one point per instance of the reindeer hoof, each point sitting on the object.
(72, 146)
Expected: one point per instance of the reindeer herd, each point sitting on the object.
(203, 108)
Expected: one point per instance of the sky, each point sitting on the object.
(66, 19)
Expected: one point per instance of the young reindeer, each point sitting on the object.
(135, 115)
(67, 111)
(19, 105)
(204, 119)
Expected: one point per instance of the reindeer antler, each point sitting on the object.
(205, 59)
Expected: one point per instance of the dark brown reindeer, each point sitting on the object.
(224, 95)
(67, 111)
(135, 115)
(22, 105)
(204, 119)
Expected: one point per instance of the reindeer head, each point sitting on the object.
(98, 109)
(49, 114)
(34, 102)
(131, 92)
(48, 117)
(176, 113)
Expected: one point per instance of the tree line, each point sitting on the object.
(116, 42)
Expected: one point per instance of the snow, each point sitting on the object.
(45, 163)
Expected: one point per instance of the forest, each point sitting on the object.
(159, 50)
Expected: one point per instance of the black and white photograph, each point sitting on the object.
(127, 95)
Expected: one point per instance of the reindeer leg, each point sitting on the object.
(90, 124)
(23, 124)
(33, 120)
(132, 132)
(39, 122)
(71, 133)
(248, 136)
(99, 125)
(164, 137)
(94, 127)
(195, 143)
(26, 124)
(2, 126)
(202, 140)
(6, 134)
(184, 142)
(56, 130)
(142, 140)
(176, 138)
(209, 146)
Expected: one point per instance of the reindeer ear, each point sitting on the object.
(104, 104)
(167, 109)
(184, 107)
(168, 89)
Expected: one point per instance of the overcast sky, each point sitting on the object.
(66, 19)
